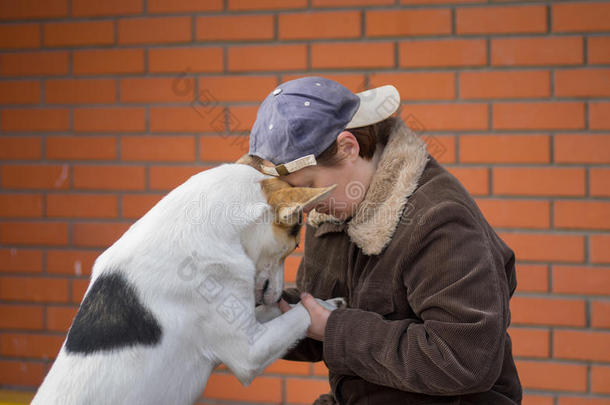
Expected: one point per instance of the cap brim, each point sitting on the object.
(375, 105)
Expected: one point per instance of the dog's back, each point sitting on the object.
(137, 337)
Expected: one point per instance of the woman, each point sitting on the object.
(427, 279)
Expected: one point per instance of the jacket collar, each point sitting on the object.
(400, 167)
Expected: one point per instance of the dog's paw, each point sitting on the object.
(333, 303)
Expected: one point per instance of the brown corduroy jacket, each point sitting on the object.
(428, 283)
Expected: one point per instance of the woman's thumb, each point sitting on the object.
(308, 301)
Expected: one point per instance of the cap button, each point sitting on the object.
(277, 91)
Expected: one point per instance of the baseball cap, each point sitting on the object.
(301, 118)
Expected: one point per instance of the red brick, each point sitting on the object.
(443, 117)
(20, 205)
(226, 387)
(108, 61)
(19, 92)
(30, 9)
(320, 368)
(79, 33)
(547, 311)
(50, 63)
(536, 51)
(19, 36)
(82, 8)
(505, 84)
(598, 49)
(600, 314)
(599, 248)
(577, 16)
(35, 120)
(109, 177)
(20, 147)
(157, 89)
(428, 2)
(169, 177)
(267, 57)
(235, 88)
(98, 234)
(21, 317)
(582, 215)
(147, 30)
(502, 213)
(442, 148)
(532, 278)
(136, 205)
(183, 6)
(581, 345)
(235, 28)
(316, 25)
(501, 20)
(242, 117)
(22, 373)
(109, 119)
(291, 265)
(32, 289)
(581, 148)
(80, 91)
(223, 148)
(305, 391)
(557, 247)
(265, 4)
(552, 376)
(474, 179)
(71, 262)
(353, 81)
(498, 148)
(82, 206)
(195, 118)
(599, 115)
(552, 181)
(20, 260)
(582, 83)
(80, 147)
(184, 60)
(532, 399)
(79, 287)
(600, 379)
(179, 148)
(599, 182)
(443, 53)
(545, 115)
(357, 55)
(404, 23)
(59, 318)
(571, 400)
(530, 342)
(581, 280)
(418, 86)
(30, 345)
(35, 176)
(34, 233)
(288, 367)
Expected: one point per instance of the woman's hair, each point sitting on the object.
(369, 138)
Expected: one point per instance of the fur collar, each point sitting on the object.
(400, 167)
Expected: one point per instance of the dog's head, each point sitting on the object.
(278, 235)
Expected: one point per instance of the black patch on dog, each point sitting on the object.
(111, 317)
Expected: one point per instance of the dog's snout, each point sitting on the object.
(265, 286)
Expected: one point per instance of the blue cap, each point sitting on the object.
(301, 118)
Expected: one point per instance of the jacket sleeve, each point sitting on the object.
(453, 284)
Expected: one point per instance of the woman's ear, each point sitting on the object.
(347, 146)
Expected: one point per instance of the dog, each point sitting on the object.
(177, 294)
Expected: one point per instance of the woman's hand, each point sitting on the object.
(319, 315)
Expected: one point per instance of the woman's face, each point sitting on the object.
(352, 175)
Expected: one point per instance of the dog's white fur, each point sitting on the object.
(207, 244)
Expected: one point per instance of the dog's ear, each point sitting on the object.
(289, 202)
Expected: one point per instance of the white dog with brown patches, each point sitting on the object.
(175, 296)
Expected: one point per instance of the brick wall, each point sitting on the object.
(107, 105)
